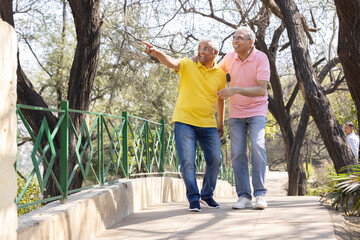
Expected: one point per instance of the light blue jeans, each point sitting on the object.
(186, 137)
(239, 128)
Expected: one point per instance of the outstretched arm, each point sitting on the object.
(162, 57)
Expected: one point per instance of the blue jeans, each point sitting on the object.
(239, 128)
(186, 137)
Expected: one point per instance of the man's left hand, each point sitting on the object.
(220, 131)
(226, 92)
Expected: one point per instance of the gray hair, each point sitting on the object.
(212, 42)
(249, 32)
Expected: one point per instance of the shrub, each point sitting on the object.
(32, 194)
(321, 181)
(346, 192)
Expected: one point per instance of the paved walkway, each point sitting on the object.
(285, 218)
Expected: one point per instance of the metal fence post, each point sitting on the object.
(125, 160)
(162, 149)
(64, 150)
(147, 146)
(101, 148)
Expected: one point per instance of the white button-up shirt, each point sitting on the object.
(354, 143)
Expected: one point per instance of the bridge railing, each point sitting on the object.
(105, 148)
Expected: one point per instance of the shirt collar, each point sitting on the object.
(250, 57)
(214, 66)
(252, 54)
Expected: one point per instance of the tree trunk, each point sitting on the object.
(7, 12)
(83, 70)
(319, 106)
(349, 45)
(295, 167)
(302, 181)
(292, 144)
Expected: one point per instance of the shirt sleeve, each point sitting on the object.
(263, 68)
(224, 63)
(182, 66)
(223, 82)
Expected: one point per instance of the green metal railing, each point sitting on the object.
(107, 148)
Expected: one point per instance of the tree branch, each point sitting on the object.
(273, 7)
(334, 86)
(327, 68)
(292, 97)
(275, 40)
(286, 45)
(211, 15)
(36, 58)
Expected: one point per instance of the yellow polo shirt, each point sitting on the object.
(196, 100)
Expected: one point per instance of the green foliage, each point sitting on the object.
(49, 33)
(320, 181)
(127, 78)
(309, 170)
(346, 193)
(272, 128)
(32, 194)
(349, 116)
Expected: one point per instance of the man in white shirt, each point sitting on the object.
(352, 138)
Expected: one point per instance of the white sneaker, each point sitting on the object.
(242, 203)
(260, 202)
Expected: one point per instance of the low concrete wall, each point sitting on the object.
(89, 212)
(8, 129)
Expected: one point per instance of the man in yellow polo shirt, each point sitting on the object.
(194, 118)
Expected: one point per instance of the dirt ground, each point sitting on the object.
(353, 224)
(346, 227)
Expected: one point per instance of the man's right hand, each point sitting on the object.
(149, 48)
(162, 57)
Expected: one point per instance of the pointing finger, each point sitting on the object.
(147, 44)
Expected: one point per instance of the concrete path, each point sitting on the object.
(285, 218)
